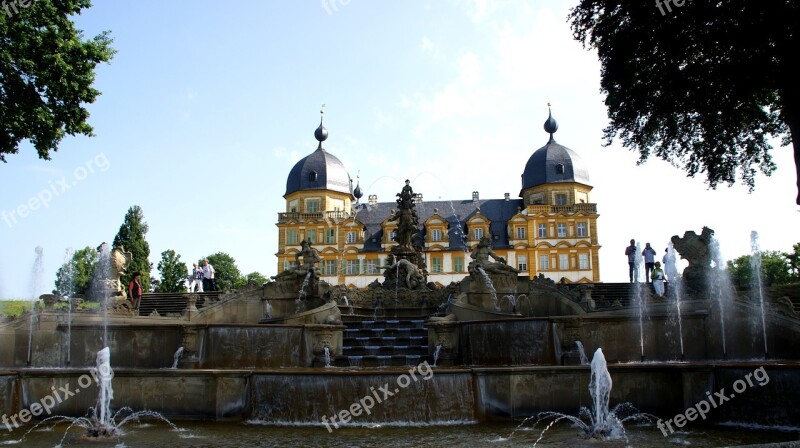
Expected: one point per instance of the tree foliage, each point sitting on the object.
(254, 279)
(775, 270)
(46, 73)
(131, 236)
(75, 276)
(172, 272)
(703, 85)
(227, 276)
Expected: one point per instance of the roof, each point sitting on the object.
(330, 174)
(456, 213)
(554, 163)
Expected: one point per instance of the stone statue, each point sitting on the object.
(698, 250)
(309, 254)
(695, 248)
(407, 219)
(413, 276)
(481, 256)
(310, 257)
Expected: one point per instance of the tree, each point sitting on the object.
(794, 263)
(46, 73)
(75, 276)
(703, 85)
(131, 236)
(172, 272)
(254, 279)
(227, 276)
(775, 269)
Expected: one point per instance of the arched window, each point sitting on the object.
(559, 168)
(312, 176)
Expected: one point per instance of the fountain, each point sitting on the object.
(640, 291)
(36, 285)
(755, 265)
(582, 353)
(671, 268)
(177, 357)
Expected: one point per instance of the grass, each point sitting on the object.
(16, 307)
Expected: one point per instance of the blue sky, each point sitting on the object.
(208, 105)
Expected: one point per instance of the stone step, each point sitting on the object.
(389, 323)
(389, 350)
(172, 303)
(385, 313)
(362, 341)
(413, 333)
(380, 361)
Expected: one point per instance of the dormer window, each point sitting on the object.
(559, 168)
(312, 176)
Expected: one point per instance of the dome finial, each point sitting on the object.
(321, 134)
(550, 125)
(357, 192)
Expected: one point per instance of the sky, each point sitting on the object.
(207, 106)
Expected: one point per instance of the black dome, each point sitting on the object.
(319, 170)
(553, 163)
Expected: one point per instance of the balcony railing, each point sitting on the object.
(586, 208)
(317, 216)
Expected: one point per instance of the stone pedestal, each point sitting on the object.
(446, 334)
(318, 337)
(190, 340)
(191, 305)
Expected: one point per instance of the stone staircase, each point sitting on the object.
(172, 304)
(387, 338)
(606, 294)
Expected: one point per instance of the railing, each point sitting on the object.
(587, 208)
(317, 216)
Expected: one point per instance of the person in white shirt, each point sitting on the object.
(208, 276)
(195, 278)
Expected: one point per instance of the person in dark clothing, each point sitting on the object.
(135, 290)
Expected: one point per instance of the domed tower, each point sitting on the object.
(555, 174)
(562, 220)
(319, 191)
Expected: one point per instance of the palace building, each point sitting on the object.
(551, 230)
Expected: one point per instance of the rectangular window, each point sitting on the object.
(352, 267)
(293, 206)
(330, 267)
(330, 236)
(563, 262)
(436, 235)
(458, 264)
(437, 264)
(544, 262)
(562, 230)
(522, 263)
(582, 229)
(291, 237)
(372, 266)
(312, 205)
(520, 233)
(478, 233)
(351, 237)
(561, 199)
(311, 236)
(542, 230)
(583, 261)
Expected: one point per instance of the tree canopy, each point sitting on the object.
(702, 86)
(46, 74)
(131, 237)
(227, 276)
(75, 276)
(172, 271)
(776, 269)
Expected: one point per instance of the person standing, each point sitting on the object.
(630, 251)
(649, 255)
(196, 278)
(135, 290)
(658, 279)
(208, 276)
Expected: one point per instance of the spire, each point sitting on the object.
(321, 134)
(550, 125)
